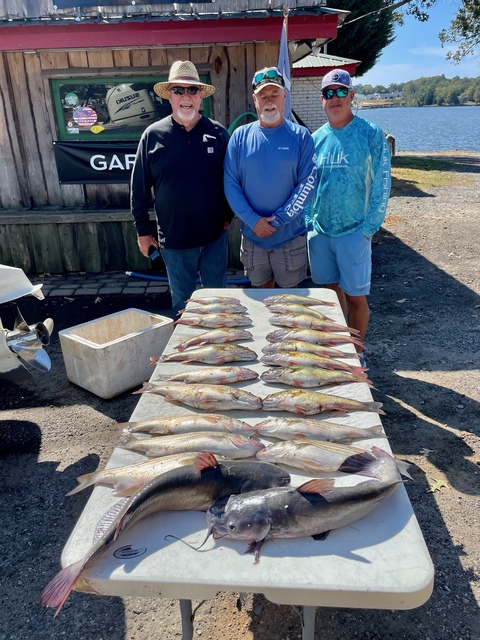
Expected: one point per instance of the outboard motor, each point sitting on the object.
(130, 105)
(21, 348)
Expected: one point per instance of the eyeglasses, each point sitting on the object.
(179, 91)
(341, 92)
(269, 74)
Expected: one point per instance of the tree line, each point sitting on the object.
(434, 90)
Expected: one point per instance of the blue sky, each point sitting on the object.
(416, 51)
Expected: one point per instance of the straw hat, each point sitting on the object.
(182, 72)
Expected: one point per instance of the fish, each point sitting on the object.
(284, 308)
(214, 300)
(312, 336)
(214, 320)
(217, 375)
(316, 456)
(298, 359)
(302, 428)
(305, 347)
(309, 403)
(308, 377)
(209, 397)
(210, 354)
(290, 298)
(192, 487)
(217, 307)
(312, 509)
(309, 322)
(127, 479)
(230, 445)
(215, 336)
(186, 423)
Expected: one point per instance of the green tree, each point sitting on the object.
(366, 38)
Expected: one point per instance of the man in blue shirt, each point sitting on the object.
(353, 187)
(269, 178)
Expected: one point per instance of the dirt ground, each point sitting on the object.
(424, 359)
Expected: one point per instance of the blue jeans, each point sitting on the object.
(184, 265)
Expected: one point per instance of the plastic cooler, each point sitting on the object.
(112, 354)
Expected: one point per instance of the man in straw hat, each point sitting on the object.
(181, 159)
(269, 178)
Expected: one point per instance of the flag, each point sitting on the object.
(284, 68)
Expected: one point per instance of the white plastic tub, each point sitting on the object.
(111, 355)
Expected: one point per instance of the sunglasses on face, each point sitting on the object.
(269, 74)
(341, 92)
(179, 91)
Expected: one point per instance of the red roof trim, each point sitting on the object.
(164, 33)
(315, 72)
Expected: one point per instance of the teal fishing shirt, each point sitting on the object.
(353, 179)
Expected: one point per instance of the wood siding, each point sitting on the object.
(46, 227)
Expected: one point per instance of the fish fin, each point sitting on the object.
(83, 482)
(358, 371)
(60, 586)
(317, 485)
(254, 547)
(358, 463)
(205, 461)
(146, 388)
(375, 407)
(375, 432)
(126, 489)
(321, 536)
(354, 331)
(403, 466)
(108, 518)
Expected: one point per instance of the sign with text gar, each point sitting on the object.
(93, 163)
(68, 4)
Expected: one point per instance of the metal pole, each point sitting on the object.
(308, 623)
(187, 619)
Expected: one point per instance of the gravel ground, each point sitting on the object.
(424, 358)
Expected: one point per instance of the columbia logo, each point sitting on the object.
(283, 148)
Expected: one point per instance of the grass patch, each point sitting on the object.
(419, 173)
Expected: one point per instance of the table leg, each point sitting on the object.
(308, 623)
(187, 620)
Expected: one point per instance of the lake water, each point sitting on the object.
(429, 128)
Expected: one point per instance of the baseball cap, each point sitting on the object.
(337, 76)
(266, 76)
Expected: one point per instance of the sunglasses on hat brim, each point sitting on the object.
(269, 74)
(341, 92)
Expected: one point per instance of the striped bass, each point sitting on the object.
(209, 397)
(301, 428)
(290, 298)
(230, 445)
(307, 377)
(217, 375)
(210, 354)
(215, 336)
(298, 359)
(214, 320)
(309, 322)
(313, 336)
(195, 487)
(313, 509)
(170, 425)
(309, 403)
(305, 347)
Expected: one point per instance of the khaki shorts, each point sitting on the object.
(286, 264)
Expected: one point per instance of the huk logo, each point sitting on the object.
(124, 553)
(334, 159)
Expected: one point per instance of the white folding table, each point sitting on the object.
(379, 562)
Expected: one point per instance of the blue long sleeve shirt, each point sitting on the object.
(270, 172)
(353, 179)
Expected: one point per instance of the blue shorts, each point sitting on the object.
(346, 261)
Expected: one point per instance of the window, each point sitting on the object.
(108, 108)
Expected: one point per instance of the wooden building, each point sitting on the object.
(59, 67)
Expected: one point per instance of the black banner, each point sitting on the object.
(94, 163)
(68, 4)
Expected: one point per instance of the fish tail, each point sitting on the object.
(374, 407)
(359, 463)
(376, 431)
(146, 388)
(83, 482)
(59, 588)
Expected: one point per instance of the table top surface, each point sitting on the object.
(380, 561)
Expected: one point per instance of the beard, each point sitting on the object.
(270, 117)
(185, 116)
